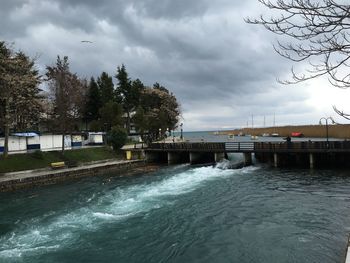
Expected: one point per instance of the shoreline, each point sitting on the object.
(33, 178)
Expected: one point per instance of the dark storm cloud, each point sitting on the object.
(201, 50)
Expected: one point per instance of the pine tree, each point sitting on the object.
(129, 93)
(106, 86)
(93, 102)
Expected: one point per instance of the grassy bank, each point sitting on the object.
(37, 160)
(319, 131)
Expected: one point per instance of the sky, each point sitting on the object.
(222, 70)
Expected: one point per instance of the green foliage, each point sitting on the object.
(111, 115)
(93, 102)
(158, 109)
(95, 126)
(106, 87)
(117, 137)
(129, 92)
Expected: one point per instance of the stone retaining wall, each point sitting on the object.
(52, 177)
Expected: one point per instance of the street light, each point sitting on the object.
(326, 119)
(181, 137)
(160, 133)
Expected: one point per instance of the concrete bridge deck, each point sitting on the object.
(253, 147)
(277, 153)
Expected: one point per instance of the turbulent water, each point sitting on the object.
(182, 214)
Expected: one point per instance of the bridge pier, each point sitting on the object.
(219, 157)
(275, 160)
(312, 161)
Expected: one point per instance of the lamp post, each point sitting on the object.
(181, 137)
(160, 133)
(326, 120)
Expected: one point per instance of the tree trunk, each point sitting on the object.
(7, 127)
(63, 136)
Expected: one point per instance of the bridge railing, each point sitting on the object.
(188, 146)
(239, 146)
(302, 146)
(254, 146)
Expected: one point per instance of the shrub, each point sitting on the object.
(117, 137)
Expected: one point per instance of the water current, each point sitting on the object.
(182, 214)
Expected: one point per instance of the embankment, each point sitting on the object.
(26, 179)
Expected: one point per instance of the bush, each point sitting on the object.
(117, 137)
(95, 126)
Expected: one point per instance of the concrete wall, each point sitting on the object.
(52, 177)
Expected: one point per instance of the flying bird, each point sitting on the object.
(86, 41)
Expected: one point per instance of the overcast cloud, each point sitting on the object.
(221, 69)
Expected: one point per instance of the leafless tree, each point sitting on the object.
(67, 92)
(318, 32)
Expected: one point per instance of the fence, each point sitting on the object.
(46, 142)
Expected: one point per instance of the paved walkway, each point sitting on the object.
(48, 171)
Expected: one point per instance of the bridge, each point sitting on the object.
(302, 153)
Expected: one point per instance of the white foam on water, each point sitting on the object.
(18, 252)
(116, 205)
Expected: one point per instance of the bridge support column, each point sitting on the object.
(219, 157)
(275, 160)
(312, 160)
(247, 158)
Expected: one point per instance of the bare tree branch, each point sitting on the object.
(319, 33)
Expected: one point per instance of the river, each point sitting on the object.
(182, 214)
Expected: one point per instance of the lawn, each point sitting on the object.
(37, 160)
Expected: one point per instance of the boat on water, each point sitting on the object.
(254, 137)
(297, 134)
(275, 134)
(231, 136)
(265, 135)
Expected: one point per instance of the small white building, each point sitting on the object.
(95, 137)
